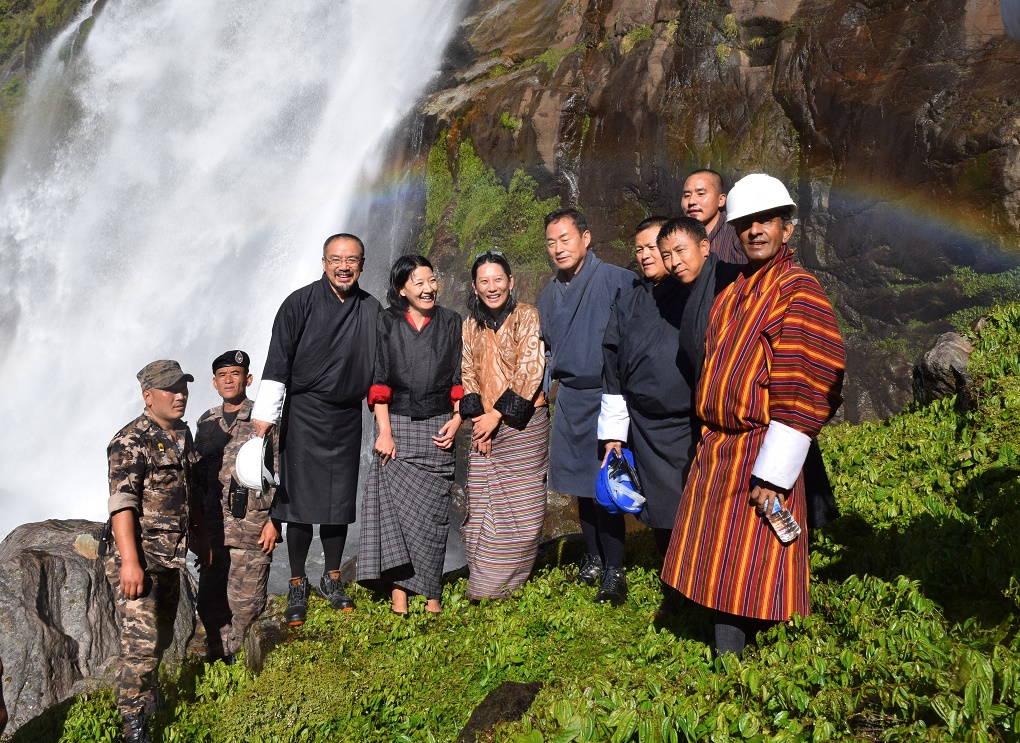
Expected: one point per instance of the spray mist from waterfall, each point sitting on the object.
(167, 189)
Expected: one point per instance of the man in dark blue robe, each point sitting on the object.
(318, 371)
(646, 401)
(574, 310)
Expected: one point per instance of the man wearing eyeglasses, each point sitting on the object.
(318, 372)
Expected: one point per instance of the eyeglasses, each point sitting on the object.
(333, 261)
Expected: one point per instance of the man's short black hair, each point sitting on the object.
(343, 236)
(714, 174)
(648, 223)
(571, 213)
(688, 225)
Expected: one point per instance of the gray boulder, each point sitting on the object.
(58, 626)
(942, 370)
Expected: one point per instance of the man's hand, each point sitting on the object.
(447, 433)
(616, 446)
(386, 447)
(132, 579)
(269, 537)
(763, 496)
(262, 428)
(485, 426)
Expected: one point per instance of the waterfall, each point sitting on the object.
(167, 188)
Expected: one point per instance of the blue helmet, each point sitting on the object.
(617, 487)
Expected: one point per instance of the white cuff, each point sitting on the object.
(782, 455)
(269, 401)
(614, 420)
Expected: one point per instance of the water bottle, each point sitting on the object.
(783, 524)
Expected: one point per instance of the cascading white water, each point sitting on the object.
(166, 191)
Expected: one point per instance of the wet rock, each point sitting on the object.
(942, 370)
(506, 703)
(264, 634)
(58, 626)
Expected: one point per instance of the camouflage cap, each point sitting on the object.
(231, 358)
(161, 375)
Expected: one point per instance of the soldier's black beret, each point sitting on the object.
(231, 358)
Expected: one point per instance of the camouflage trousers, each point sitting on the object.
(146, 631)
(231, 595)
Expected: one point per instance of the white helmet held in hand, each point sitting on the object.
(757, 193)
(251, 468)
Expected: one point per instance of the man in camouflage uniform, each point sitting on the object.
(232, 591)
(152, 510)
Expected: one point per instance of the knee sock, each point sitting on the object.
(662, 537)
(604, 532)
(612, 535)
(299, 540)
(732, 632)
(588, 516)
(333, 538)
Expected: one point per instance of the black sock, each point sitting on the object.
(299, 540)
(662, 537)
(588, 516)
(732, 632)
(612, 535)
(333, 538)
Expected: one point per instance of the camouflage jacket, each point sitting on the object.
(154, 475)
(218, 446)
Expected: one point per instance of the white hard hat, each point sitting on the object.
(251, 468)
(756, 193)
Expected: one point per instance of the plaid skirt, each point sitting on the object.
(506, 508)
(405, 510)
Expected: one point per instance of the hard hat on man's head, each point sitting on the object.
(757, 193)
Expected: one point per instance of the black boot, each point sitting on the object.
(297, 601)
(589, 570)
(613, 589)
(136, 728)
(333, 591)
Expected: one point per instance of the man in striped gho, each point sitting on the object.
(772, 377)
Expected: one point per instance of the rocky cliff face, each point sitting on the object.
(896, 125)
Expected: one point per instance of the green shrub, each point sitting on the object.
(486, 214)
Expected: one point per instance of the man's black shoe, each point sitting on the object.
(333, 591)
(136, 728)
(613, 589)
(297, 601)
(589, 571)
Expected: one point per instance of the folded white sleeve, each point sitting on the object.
(614, 420)
(782, 455)
(269, 401)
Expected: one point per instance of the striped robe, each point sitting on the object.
(773, 353)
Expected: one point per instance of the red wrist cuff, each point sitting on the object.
(456, 393)
(379, 393)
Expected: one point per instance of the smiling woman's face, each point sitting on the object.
(493, 286)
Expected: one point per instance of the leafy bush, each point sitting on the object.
(485, 214)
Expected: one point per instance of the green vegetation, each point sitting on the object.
(25, 23)
(634, 37)
(987, 289)
(509, 121)
(913, 636)
(485, 214)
